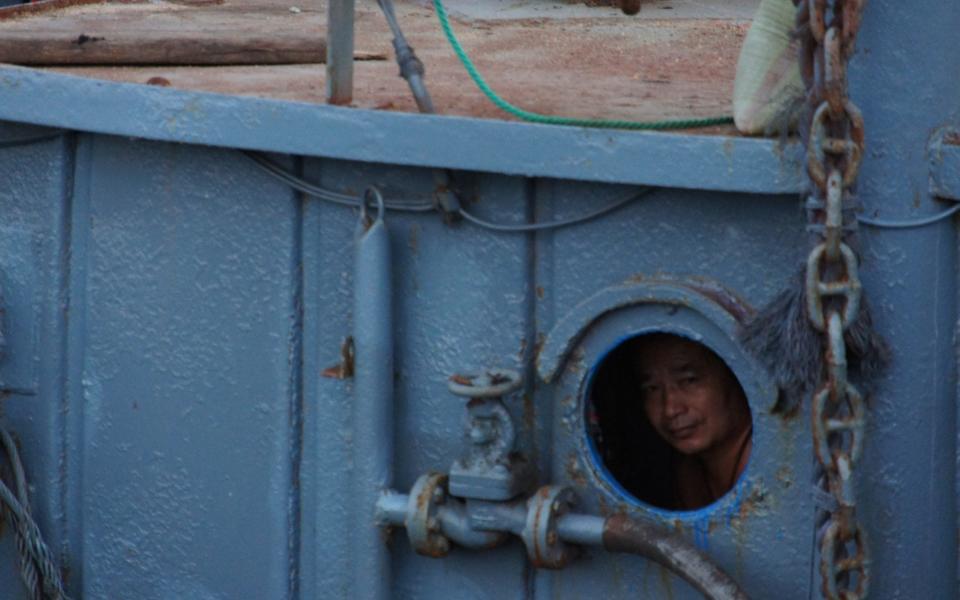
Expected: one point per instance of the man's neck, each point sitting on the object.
(724, 463)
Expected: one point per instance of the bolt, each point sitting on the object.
(438, 495)
(552, 538)
(433, 524)
(555, 506)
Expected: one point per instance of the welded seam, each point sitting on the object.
(296, 386)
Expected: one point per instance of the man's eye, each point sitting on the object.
(688, 380)
(648, 390)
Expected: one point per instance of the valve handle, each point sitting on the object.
(491, 383)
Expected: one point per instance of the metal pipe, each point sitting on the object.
(392, 508)
(585, 530)
(373, 398)
(483, 524)
(340, 15)
(457, 526)
(623, 534)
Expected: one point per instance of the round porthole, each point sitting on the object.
(660, 408)
(667, 421)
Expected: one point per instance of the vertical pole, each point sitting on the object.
(340, 15)
(373, 401)
(904, 78)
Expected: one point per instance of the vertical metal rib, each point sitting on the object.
(373, 403)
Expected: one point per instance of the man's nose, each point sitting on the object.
(673, 404)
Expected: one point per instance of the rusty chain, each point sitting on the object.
(835, 141)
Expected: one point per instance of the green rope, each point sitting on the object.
(551, 120)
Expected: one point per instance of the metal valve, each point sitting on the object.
(489, 468)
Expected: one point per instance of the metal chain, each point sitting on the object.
(835, 141)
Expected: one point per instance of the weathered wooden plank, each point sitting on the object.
(165, 33)
(177, 49)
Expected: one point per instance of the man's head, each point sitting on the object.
(690, 397)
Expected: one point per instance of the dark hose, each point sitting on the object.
(623, 534)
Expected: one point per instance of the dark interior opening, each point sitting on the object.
(629, 448)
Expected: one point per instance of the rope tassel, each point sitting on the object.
(781, 337)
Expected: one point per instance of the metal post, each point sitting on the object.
(901, 78)
(373, 400)
(340, 14)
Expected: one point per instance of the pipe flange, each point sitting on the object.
(422, 521)
(544, 546)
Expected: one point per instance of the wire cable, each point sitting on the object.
(530, 227)
(328, 195)
(421, 206)
(911, 224)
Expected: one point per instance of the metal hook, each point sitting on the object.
(374, 195)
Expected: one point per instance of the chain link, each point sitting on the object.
(834, 150)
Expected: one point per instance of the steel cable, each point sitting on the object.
(328, 195)
(922, 222)
(341, 199)
(530, 227)
(37, 570)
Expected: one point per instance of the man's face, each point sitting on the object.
(690, 397)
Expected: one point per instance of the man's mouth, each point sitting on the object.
(683, 431)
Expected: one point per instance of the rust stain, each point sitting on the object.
(728, 300)
(461, 379)
(952, 138)
(523, 348)
(574, 472)
(543, 493)
(161, 81)
(756, 502)
(529, 412)
(538, 345)
(343, 369)
(575, 361)
(540, 292)
(605, 509)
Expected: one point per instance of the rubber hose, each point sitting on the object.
(623, 534)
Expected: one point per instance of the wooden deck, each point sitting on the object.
(673, 61)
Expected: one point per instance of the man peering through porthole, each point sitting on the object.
(669, 421)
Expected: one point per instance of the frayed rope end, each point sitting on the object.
(782, 339)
